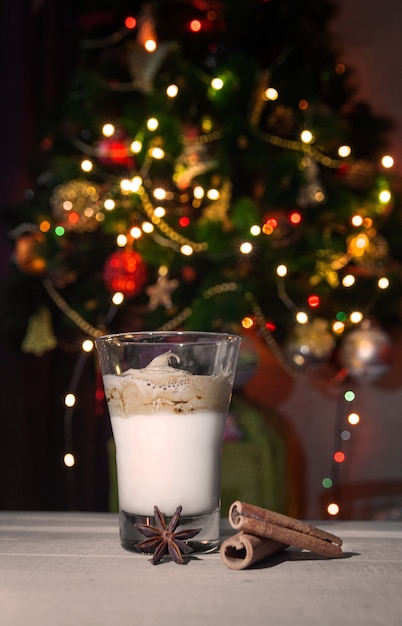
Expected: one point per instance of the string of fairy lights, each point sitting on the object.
(213, 201)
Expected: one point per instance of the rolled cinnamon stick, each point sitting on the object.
(242, 550)
(288, 530)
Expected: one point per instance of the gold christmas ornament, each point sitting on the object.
(29, 253)
(310, 344)
(75, 205)
(327, 267)
(218, 210)
(39, 337)
(368, 249)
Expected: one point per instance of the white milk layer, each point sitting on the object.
(167, 425)
(169, 459)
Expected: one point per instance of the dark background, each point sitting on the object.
(37, 52)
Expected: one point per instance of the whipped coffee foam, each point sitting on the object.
(161, 387)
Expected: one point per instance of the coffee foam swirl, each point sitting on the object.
(161, 387)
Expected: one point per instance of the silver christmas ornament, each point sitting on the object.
(366, 353)
(309, 345)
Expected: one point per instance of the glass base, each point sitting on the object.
(207, 540)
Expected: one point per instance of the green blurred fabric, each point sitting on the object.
(254, 466)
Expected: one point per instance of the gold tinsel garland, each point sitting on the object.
(65, 308)
(165, 228)
(181, 317)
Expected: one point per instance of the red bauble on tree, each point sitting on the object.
(125, 271)
(115, 152)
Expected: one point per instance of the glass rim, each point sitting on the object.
(191, 337)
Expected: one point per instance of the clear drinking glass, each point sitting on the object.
(168, 396)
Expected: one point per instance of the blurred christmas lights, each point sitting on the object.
(142, 185)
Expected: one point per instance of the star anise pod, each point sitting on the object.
(162, 539)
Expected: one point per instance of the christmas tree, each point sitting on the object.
(209, 168)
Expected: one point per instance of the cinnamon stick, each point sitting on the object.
(243, 550)
(261, 522)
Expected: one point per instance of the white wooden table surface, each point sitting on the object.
(67, 569)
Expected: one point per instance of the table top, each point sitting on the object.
(69, 568)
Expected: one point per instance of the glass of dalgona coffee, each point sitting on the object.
(168, 396)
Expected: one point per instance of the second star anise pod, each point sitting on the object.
(162, 539)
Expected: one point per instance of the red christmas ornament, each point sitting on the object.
(125, 271)
(313, 301)
(188, 274)
(115, 151)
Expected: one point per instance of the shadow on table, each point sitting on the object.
(290, 554)
(293, 554)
